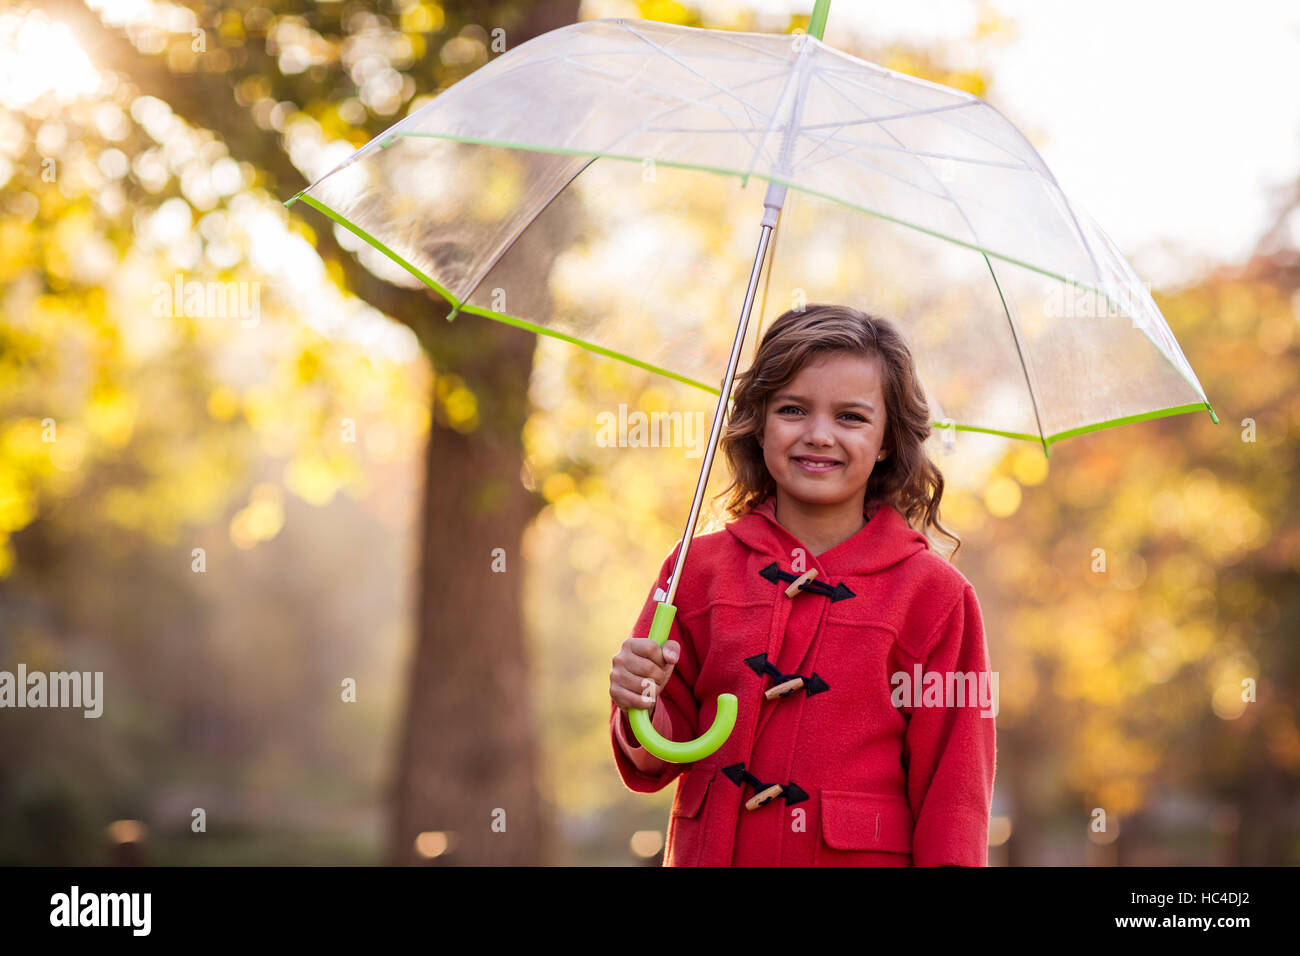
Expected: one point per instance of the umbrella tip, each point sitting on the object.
(817, 22)
(1213, 417)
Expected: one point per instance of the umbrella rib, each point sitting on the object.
(1006, 310)
(641, 127)
(518, 232)
(794, 71)
(729, 34)
(1083, 240)
(1158, 333)
(762, 39)
(857, 159)
(932, 155)
(891, 117)
(969, 160)
(875, 120)
(685, 66)
(683, 99)
(847, 153)
(1031, 169)
(480, 76)
(687, 100)
(835, 127)
(719, 108)
(956, 126)
(817, 70)
(814, 126)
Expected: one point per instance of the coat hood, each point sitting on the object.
(882, 542)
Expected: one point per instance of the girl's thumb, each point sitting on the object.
(671, 652)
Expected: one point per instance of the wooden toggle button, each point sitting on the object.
(807, 576)
(758, 799)
(780, 690)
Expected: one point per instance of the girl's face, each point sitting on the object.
(833, 409)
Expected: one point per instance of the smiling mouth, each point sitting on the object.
(816, 466)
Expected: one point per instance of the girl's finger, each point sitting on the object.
(637, 684)
(626, 699)
(648, 649)
(644, 667)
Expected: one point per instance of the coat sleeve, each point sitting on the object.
(676, 713)
(950, 750)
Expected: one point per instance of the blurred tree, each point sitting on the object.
(1147, 591)
(125, 426)
(257, 75)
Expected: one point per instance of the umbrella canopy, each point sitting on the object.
(605, 138)
(906, 198)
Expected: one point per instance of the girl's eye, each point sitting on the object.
(787, 408)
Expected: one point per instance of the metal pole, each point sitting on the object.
(772, 202)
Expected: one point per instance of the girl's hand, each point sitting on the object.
(641, 671)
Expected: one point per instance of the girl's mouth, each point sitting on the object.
(815, 467)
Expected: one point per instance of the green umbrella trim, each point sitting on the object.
(744, 181)
(599, 349)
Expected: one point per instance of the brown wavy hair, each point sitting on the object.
(906, 478)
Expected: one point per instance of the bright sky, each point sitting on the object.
(1168, 121)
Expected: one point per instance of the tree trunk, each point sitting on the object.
(466, 764)
(468, 743)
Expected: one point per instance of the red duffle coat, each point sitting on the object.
(865, 782)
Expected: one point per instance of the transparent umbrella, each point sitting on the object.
(892, 194)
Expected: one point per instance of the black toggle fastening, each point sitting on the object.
(738, 775)
(840, 592)
(760, 665)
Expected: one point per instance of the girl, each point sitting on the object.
(865, 733)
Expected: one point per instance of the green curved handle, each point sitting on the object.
(687, 751)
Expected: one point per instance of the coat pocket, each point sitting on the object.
(686, 822)
(864, 829)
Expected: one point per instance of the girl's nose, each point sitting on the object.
(819, 432)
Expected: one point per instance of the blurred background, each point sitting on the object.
(354, 575)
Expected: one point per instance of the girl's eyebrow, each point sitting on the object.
(849, 404)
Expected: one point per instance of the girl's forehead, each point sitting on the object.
(834, 371)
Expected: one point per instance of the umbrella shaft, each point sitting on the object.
(723, 400)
